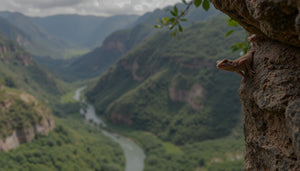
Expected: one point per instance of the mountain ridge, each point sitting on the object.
(41, 42)
(84, 31)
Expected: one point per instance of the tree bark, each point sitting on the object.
(270, 99)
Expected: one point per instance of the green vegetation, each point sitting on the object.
(71, 53)
(68, 98)
(176, 18)
(209, 155)
(174, 21)
(155, 86)
(71, 146)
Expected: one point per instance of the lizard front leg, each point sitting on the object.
(243, 76)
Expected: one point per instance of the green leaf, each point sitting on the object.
(183, 19)
(229, 33)
(180, 28)
(172, 20)
(162, 21)
(234, 48)
(173, 33)
(176, 10)
(206, 5)
(232, 23)
(173, 13)
(197, 3)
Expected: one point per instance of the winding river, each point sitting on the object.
(134, 154)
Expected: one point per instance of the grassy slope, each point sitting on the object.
(162, 64)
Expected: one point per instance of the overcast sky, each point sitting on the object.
(83, 7)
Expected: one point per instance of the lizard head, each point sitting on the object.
(226, 64)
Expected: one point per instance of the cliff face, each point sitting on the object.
(271, 99)
(12, 52)
(26, 135)
(21, 118)
(192, 97)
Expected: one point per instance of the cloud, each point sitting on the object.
(83, 7)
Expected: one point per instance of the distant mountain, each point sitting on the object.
(114, 46)
(14, 33)
(172, 88)
(84, 31)
(40, 42)
(109, 25)
(97, 61)
(74, 28)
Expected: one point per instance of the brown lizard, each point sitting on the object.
(242, 64)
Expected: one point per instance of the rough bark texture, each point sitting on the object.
(271, 99)
(274, 19)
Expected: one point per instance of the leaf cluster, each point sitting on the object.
(174, 23)
(245, 44)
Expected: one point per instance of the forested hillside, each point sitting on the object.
(100, 59)
(172, 88)
(19, 70)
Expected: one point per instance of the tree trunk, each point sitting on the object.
(271, 99)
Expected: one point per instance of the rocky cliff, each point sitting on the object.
(21, 118)
(10, 51)
(271, 99)
(26, 135)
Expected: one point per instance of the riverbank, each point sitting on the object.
(134, 154)
(218, 154)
